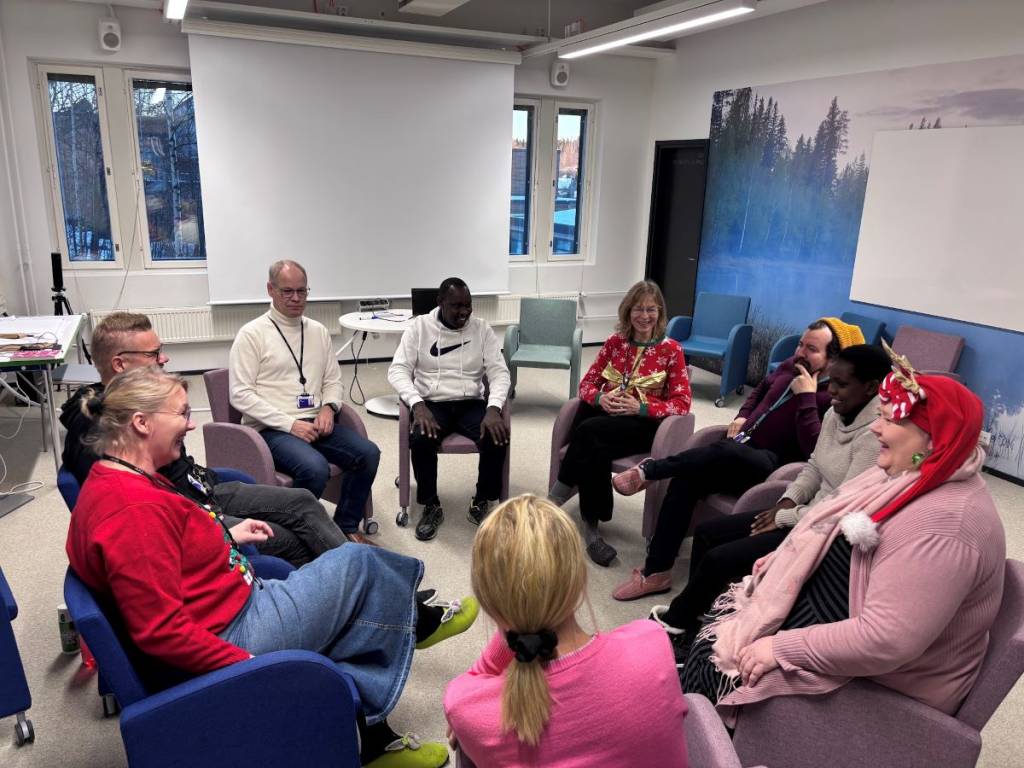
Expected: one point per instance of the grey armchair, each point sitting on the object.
(545, 337)
(230, 444)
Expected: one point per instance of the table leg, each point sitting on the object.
(52, 410)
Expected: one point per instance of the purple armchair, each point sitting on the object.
(929, 352)
(707, 741)
(229, 444)
(672, 435)
(454, 443)
(863, 723)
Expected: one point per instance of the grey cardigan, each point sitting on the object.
(842, 452)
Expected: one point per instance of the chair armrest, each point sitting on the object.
(288, 708)
(788, 472)
(7, 601)
(673, 435)
(577, 340)
(707, 742)
(239, 447)
(910, 733)
(560, 435)
(783, 348)
(679, 327)
(349, 417)
(511, 345)
(761, 497)
(737, 356)
(707, 436)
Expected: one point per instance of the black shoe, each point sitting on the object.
(426, 596)
(601, 552)
(478, 510)
(678, 637)
(430, 521)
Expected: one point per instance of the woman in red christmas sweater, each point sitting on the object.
(638, 378)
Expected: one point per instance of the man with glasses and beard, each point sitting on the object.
(285, 381)
(302, 530)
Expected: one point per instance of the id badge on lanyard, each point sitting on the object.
(304, 401)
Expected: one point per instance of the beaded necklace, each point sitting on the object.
(236, 559)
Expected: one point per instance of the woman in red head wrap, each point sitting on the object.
(897, 576)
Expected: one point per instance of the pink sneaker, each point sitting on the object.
(631, 481)
(640, 585)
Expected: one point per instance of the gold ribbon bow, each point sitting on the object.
(642, 384)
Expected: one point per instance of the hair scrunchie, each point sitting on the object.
(527, 646)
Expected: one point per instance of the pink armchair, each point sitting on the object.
(863, 723)
(671, 438)
(229, 444)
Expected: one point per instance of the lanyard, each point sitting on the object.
(641, 351)
(788, 393)
(159, 482)
(302, 350)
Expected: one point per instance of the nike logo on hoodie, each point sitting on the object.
(435, 352)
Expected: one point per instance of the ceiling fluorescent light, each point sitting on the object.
(175, 9)
(662, 25)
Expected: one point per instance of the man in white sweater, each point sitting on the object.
(286, 383)
(438, 371)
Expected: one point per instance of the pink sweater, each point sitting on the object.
(615, 702)
(921, 605)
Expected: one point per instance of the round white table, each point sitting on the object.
(379, 322)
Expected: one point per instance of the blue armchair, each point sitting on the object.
(718, 329)
(782, 350)
(545, 337)
(285, 709)
(869, 326)
(15, 698)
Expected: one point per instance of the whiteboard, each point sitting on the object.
(377, 172)
(941, 230)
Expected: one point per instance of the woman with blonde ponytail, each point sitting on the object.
(545, 691)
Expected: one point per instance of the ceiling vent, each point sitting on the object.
(429, 7)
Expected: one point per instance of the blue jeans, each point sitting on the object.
(307, 463)
(355, 604)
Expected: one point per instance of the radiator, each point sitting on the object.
(185, 325)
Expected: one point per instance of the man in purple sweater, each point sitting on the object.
(777, 424)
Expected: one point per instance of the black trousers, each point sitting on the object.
(597, 440)
(723, 552)
(462, 417)
(722, 467)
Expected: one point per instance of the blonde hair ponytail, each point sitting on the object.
(530, 576)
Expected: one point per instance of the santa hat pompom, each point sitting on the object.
(860, 530)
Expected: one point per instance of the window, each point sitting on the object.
(81, 165)
(165, 126)
(147, 178)
(550, 141)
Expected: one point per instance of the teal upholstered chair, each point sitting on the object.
(545, 337)
(718, 329)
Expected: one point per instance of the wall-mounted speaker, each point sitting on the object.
(560, 74)
(110, 34)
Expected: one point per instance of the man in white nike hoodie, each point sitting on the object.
(438, 371)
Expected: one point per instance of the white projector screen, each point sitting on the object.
(378, 172)
(940, 233)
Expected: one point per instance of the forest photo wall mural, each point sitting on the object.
(787, 173)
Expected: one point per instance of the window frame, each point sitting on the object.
(50, 168)
(140, 189)
(545, 156)
(531, 193)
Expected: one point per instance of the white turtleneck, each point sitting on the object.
(264, 380)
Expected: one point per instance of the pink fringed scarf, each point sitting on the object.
(757, 606)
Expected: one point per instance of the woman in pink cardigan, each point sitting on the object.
(896, 577)
(545, 691)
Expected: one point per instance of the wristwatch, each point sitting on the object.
(334, 407)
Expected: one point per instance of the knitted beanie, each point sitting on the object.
(846, 334)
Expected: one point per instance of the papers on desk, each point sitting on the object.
(394, 317)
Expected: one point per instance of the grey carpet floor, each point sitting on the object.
(70, 728)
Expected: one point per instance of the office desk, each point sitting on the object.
(392, 321)
(60, 329)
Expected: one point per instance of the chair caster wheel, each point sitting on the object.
(110, 705)
(370, 527)
(720, 402)
(396, 482)
(24, 733)
(402, 518)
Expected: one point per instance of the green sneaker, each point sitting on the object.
(410, 752)
(459, 616)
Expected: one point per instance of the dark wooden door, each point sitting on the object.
(677, 211)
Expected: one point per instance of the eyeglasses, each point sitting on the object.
(153, 353)
(289, 293)
(187, 413)
(644, 310)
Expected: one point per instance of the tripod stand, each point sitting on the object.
(62, 306)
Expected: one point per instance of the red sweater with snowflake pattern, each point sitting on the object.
(673, 398)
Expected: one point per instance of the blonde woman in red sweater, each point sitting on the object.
(638, 378)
